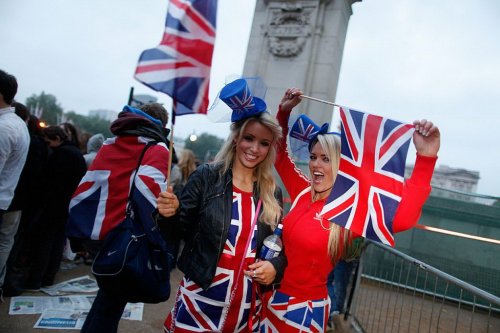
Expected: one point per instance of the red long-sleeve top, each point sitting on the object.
(306, 237)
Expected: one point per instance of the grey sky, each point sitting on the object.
(408, 59)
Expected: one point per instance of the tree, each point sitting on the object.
(205, 147)
(47, 105)
(93, 125)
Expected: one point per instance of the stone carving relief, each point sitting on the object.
(288, 28)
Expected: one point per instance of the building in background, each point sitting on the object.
(453, 183)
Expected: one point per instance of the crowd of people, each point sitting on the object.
(40, 169)
(214, 216)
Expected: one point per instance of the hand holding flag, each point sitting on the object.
(426, 138)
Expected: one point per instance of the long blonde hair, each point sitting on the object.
(266, 186)
(187, 164)
(339, 237)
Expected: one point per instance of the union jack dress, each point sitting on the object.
(213, 310)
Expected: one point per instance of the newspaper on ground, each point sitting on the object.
(37, 304)
(67, 311)
(82, 284)
(61, 319)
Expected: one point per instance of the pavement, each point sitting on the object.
(153, 314)
(152, 319)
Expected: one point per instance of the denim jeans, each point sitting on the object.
(337, 283)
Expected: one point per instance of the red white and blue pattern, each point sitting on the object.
(369, 184)
(304, 131)
(99, 202)
(198, 310)
(180, 65)
(242, 103)
(289, 314)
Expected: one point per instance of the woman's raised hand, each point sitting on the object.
(426, 138)
(290, 99)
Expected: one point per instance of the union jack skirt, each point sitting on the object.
(290, 314)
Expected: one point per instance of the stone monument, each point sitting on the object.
(299, 43)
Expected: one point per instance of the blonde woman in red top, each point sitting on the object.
(313, 244)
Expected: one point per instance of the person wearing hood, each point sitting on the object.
(104, 191)
(93, 145)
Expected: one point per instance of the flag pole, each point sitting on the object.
(319, 100)
(171, 145)
(130, 96)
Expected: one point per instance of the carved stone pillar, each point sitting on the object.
(299, 44)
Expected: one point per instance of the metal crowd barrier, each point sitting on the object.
(393, 292)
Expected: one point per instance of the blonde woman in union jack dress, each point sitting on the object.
(218, 206)
(311, 242)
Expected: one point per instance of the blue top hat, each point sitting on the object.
(239, 98)
(304, 129)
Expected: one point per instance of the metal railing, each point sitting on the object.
(394, 292)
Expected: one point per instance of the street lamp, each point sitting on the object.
(193, 137)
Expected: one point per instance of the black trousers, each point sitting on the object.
(105, 313)
(47, 252)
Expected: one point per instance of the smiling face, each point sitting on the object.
(253, 145)
(320, 167)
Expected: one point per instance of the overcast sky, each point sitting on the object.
(405, 60)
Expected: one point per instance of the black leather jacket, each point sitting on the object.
(205, 217)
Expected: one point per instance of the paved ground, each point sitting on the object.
(381, 308)
(153, 315)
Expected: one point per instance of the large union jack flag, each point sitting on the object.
(369, 184)
(180, 65)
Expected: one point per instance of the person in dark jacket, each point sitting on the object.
(28, 203)
(65, 169)
(218, 206)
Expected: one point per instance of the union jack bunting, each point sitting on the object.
(180, 65)
(199, 310)
(369, 184)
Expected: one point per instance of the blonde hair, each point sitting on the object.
(339, 238)
(187, 164)
(266, 185)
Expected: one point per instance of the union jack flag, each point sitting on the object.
(369, 184)
(199, 310)
(98, 204)
(180, 65)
